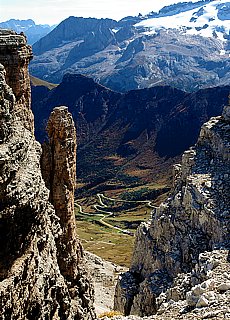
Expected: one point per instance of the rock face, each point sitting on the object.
(34, 282)
(59, 172)
(15, 56)
(208, 299)
(95, 33)
(104, 275)
(193, 220)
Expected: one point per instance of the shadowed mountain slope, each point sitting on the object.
(137, 134)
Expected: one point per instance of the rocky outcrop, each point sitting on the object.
(15, 56)
(195, 219)
(34, 282)
(104, 275)
(210, 299)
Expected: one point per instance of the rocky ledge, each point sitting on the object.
(186, 241)
(39, 279)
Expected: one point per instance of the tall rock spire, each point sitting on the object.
(59, 167)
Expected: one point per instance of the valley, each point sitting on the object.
(115, 163)
(125, 151)
(127, 140)
(107, 225)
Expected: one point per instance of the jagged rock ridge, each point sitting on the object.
(34, 283)
(169, 256)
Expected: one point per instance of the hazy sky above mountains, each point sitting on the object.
(54, 11)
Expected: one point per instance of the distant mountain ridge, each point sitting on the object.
(185, 45)
(73, 29)
(33, 31)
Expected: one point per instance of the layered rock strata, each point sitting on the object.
(34, 280)
(194, 219)
(15, 56)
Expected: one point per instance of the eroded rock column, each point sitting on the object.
(59, 173)
(62, 181)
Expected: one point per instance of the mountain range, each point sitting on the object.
(180, 262)
(130, 138)
(33, 31)
(185, 45)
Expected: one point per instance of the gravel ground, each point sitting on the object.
(104, 276)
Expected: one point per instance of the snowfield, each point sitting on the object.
(208, 20)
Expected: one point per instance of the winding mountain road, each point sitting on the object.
(100, 208)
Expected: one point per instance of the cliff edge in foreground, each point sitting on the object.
(40, 277)
(180, 266)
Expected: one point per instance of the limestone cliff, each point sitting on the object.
(167, 258)
(15, 56)
(34, 280)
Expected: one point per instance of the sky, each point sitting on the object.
(54, 11)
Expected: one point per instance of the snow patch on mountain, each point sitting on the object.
(209, 20)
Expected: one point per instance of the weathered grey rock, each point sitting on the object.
(104, 275)
(33, 283)
(224, 286)
(226, 113)
(212, 304)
